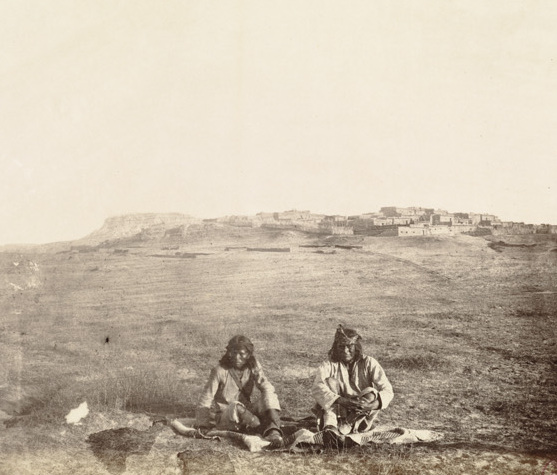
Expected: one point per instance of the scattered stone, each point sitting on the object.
(75, 415)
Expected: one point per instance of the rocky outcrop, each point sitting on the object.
(144, 226)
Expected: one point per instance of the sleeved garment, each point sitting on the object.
(221, 390)
(365, 372)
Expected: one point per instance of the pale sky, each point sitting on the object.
(213, 108)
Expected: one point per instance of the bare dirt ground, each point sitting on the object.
(465, 332)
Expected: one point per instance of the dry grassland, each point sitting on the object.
(466, 334)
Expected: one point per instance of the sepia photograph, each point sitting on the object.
(252, 237)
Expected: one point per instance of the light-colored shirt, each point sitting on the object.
(221, 390)
(366, 372)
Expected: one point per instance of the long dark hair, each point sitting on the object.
(342, 337)
(236, 343)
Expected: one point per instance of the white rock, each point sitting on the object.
(75, 415)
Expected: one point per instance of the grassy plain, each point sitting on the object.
(465, 332)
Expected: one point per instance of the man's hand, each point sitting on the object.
(348, 403)
(354, 404)
(369, 406)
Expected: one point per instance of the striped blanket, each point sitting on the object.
(305, 437)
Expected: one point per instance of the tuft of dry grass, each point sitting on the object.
(418, 362)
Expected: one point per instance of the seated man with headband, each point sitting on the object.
(226, 399)
(350, 388)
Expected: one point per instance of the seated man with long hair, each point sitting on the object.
(350, 388)
(226, 402)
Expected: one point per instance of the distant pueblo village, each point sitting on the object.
(389, 221)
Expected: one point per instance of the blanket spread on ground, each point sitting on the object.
(255, 443)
